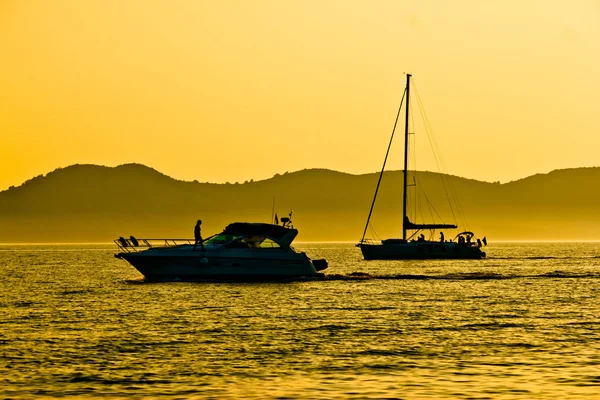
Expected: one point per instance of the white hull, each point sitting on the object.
(184, 263)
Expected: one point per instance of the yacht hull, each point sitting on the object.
(249, 264)
(420, 251)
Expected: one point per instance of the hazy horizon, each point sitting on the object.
(90, 203)
(296, 242)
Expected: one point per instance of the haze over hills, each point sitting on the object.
(90, 203)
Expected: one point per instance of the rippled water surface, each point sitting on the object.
(523, 323)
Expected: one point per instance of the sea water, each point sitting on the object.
(522, 324)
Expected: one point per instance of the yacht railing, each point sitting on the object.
(133, 245)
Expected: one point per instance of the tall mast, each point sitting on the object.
(405, 158)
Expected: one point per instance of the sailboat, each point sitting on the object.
(411, 246)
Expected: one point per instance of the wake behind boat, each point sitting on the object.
(243, 251)
(463, 246)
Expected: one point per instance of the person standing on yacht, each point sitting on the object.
(198, 236)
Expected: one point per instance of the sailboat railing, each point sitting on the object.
(369, 241)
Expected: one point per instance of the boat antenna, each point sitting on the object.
(273, 211)
(383, 167)
(405, 158)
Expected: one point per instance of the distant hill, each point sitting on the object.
(90, 203)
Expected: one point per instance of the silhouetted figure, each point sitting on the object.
(442, 237)
(134, 241)
(468, 239)
(421, 238)
(198, 235)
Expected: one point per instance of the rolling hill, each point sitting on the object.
(90, 203)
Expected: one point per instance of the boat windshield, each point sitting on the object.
(218, 240)
(254, 242)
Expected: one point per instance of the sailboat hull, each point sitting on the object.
(420, 251)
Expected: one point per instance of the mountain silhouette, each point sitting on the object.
(91, 203)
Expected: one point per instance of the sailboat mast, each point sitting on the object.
(405, 158)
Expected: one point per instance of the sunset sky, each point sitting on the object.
(236, 90)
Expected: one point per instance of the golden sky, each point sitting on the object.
(236, 90)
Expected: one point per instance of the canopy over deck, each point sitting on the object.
(277, 232)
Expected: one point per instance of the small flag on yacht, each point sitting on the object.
(484, 241)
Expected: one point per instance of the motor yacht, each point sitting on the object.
(243, 251)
